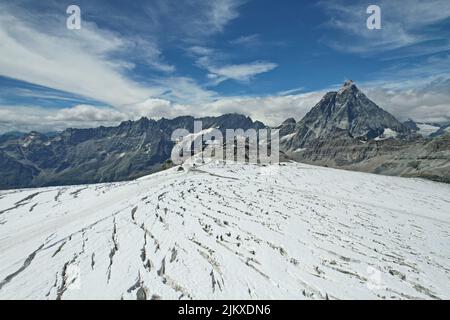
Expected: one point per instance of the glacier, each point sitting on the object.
(226, 230)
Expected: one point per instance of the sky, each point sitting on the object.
(271, 60)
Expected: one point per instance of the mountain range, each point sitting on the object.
(345, 129)
(349, 131)
(227, 230)
(347, 111)
(104, 154)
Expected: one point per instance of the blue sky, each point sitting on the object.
(268, 59)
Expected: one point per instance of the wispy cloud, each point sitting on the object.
(92, 62)
(405, 24)
(78, 62)
(200, 51)
(249, 40)
(192, 20)
(212, 61)
(184, 90)
(100, 68)
(239, 72)
(291, 91)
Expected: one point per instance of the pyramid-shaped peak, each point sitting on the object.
(348, 83)
(289, 121)
(347, 111)
(349, 86)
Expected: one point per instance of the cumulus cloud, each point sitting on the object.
(86, 113)
(26, 118)
(427, 100)
(271, 110)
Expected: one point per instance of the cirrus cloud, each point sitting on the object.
(239, 72)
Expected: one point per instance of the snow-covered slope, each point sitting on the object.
(229, 231)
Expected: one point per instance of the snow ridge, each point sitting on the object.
(233, 231)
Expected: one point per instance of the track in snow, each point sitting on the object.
(229, 231)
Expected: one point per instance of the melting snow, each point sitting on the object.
(387, 134)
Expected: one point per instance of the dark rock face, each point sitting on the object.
(347, 110)
(287, 127)
(411, 125)
(424, 158)
(14, 173)
(346, 130)
(104, 154)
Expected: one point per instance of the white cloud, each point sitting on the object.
(405, 24)
(249, 40)
(74, 63)
(184, 90)
(192, 20)
(427, 100)
(26, 118)
(199, 50)
(239, 72)
(242, 72)
(149, 53)
(271, 110)
(86, 113)
(93, 63)
(291, 91)
(221, 13)
(214, 61)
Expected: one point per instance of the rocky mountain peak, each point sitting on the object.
(348, 85)
(411, 124)
(76, 156)
(348, 111)
(289, 121)
(348, 90)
